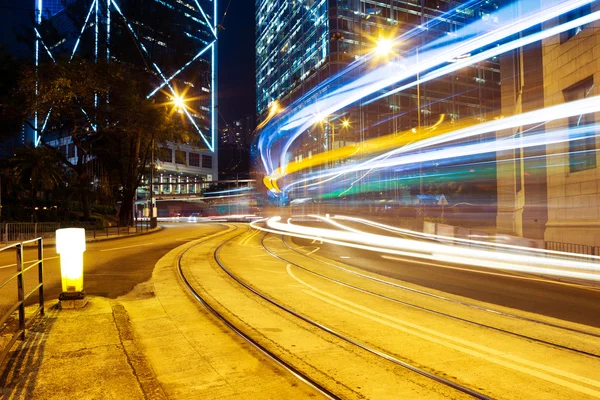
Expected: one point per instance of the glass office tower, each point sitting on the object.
(301, 44)
(174, 41)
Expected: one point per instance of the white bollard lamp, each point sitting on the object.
(70, 245)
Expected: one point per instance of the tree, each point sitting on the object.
(103, 110)
(39, 169)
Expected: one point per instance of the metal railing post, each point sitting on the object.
(20, 290)
(41, 275)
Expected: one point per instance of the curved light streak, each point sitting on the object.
(478, 35)
(579, 107)
(494, 259)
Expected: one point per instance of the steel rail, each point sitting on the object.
(440, 297)
(272, 356)
(421, 308)
(347, 339)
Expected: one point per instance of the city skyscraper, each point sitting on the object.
(173, 41)
(306, 49)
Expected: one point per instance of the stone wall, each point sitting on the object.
(573, 197)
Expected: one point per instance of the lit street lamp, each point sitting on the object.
(70, 245)
(384, 47)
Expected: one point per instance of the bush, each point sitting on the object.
(104, 209)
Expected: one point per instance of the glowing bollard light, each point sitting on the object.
(70, 245)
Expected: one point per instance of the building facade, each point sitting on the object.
(571, 70)
(173, 41)
(521, 173)
(300, 45)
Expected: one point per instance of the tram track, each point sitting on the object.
(254, 343)
(421, 308)
(284, 364)
(448, 299)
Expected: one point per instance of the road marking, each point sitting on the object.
(26, 262)
(459, 344)
(247, 239)
(266, 270)
(344, 256)
(128, 247)
(189, 237)
(314, 251)
(526, 278)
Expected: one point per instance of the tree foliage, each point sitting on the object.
(103, 110)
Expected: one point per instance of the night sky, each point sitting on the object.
(236, 61)
(236, 51)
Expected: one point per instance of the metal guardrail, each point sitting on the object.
(18, 231)
(21, 296)
(573, 248)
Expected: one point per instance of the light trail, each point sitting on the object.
(479, 35)
(574, 108)
(494, 259)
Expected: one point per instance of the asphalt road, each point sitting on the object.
(537, 295)
(111, 267)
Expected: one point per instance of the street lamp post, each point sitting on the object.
(153, 213)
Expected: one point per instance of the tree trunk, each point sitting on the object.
(126, 208)
(33, 211)
(83, 180)
(85, 204)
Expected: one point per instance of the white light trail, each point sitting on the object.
(544, 115)
(494, 259)
(479, 34)
(468, 242)
(504, 48)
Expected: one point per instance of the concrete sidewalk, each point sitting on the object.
(153, 343)
(80, 354)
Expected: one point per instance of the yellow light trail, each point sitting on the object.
(370, 146)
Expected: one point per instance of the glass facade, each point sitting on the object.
(173, 40)
(307, 50)
(292, 46)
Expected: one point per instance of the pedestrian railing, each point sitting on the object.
(17, 231)
(21, 295)
(573, 248)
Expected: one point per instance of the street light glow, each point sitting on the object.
(178, 101)
(384, 47)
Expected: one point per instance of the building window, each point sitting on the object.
(206, 161)
(194, 159)
(179, 157)
(582, 154)
(165, 155)
(570, 16)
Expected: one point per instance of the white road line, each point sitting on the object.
(314, 251)
(344, 256)
(128, 247)
(499, 357)
(270, 271)
(26, 262)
